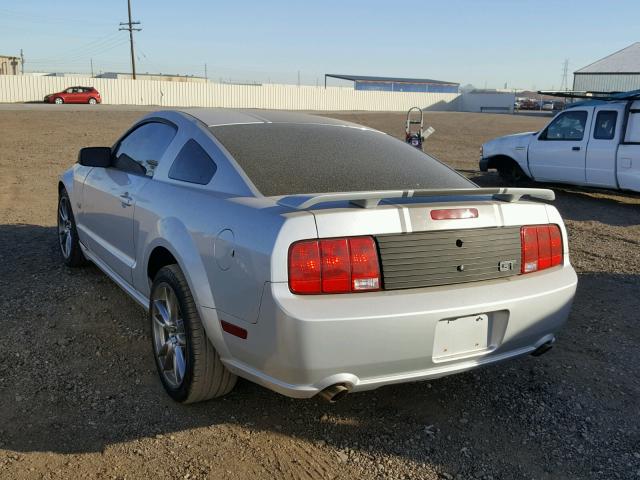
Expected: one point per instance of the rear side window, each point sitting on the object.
(141, 150)
(193, 165)
(568, 126)
(632, 134)
(605, 127)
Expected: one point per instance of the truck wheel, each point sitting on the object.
(68, 234)
(190, 368)
(511, 172)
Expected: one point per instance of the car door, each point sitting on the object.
(602, 148)
(558, 153)
(82, 95)
(628, 159)
(67, 95)
(75, 95)
(109, 195)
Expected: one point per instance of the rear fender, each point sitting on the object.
(173, 235)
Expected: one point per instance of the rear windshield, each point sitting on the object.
(286, 159)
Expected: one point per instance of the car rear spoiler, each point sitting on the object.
(371, 199)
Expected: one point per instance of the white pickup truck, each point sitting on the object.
(594, 143)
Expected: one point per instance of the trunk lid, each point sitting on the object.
(417, 251)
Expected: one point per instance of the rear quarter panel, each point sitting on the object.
(223, 244)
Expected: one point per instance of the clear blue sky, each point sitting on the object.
(523, 43)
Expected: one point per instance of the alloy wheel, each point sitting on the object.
(65, 227)
(169, 338)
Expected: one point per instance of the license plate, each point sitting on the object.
(461, 337)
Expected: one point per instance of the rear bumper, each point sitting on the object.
(303, 344)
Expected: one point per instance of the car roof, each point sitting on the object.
(213, 117)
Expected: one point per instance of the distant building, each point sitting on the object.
(391, 84)
(618, 72)
(153, 76)
(10, 65)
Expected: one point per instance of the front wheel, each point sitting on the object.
(68, 233)
(92, 101)
(189, 367)
(59, 101)
(512, 173)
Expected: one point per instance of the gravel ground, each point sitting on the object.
(80, 396)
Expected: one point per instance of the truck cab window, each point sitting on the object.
(605, 126)
(568, 126)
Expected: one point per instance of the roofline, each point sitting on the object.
(606, 73)
(604, 58)
(369, 78)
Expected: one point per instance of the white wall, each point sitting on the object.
(486, 102)
(27, 88)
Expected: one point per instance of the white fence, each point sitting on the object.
(27, 88)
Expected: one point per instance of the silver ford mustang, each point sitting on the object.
(312, 256)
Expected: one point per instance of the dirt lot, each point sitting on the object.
(80, 397)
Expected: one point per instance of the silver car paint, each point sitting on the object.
(232, 244)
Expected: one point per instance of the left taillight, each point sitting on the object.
(334, 265)
(541, 247)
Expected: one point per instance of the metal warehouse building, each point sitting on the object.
(390, 84)
(618, 72)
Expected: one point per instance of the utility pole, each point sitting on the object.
(22, 61)
(91, 67)
(298, 77)
(130, 26)
(205, 72)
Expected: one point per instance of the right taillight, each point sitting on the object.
(334, 265)
(541, 247)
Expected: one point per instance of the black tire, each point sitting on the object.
(58, 101)
(68, 234)
(511, 172)
(205, 376)
(92, 101)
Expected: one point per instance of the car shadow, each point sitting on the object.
(78, 375)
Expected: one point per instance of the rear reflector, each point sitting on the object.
(334, 265)
(233, 329)
(454, 213)
(541, 247)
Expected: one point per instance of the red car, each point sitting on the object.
(75, 95)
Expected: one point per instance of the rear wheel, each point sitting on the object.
(92, 101)
(68, 234)
(511, 172)
(59, 101)
(189, 367)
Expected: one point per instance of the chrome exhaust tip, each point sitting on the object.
(542, 349)
(334, 393)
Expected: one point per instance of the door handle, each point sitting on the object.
(126, 199)
(575, 149)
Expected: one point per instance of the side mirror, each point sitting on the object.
(95, 157)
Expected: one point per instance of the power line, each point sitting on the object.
(129, 26)
(82, 58)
